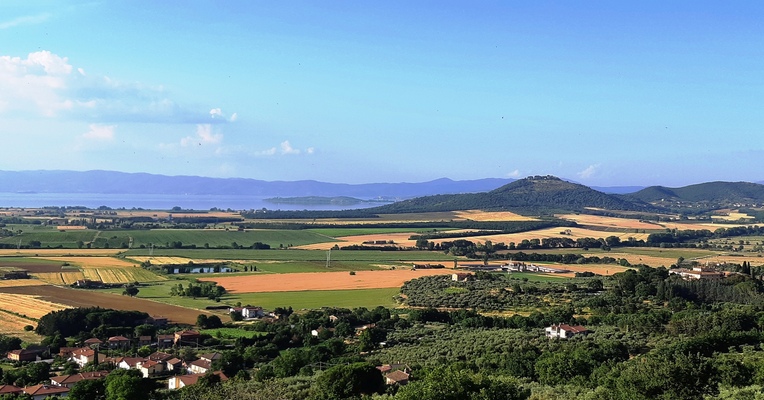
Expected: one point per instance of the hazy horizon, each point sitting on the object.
(604, 94)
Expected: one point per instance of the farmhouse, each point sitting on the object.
(565, 331)
(40, 392)
(248, 311)
(698, 273)
(460, 277)
(118, 342)
(69, 380)
(187, 338)
(181, 381)
(399, 378)
(199, 366)
(164, 341)
(85, 355)
(150, 368)
(22, 355)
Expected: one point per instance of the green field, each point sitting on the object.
(51, 238)
(290, 267)
(368, 298)
(340, 232)
(296, 255)
(160, 292)
(166, 237)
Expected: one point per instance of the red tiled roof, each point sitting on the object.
(398, 376)
(8, 389)
(574, 329)
(45, 390)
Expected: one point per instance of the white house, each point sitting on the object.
(565, 331)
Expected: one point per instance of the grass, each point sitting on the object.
(340, 232)
(368, 298)
(165, 237)
(296, 255)
(160, 292)
(51, 238)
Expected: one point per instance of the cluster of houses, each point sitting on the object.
(523, 267)
(156, 364)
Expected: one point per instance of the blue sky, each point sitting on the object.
(604, 93)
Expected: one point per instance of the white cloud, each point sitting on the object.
(514, 174)
(269, 152)
(589, 171)
(286, 148)
(310, 150)
(234, 117)
(25, 20)
(46, 84)
(100, 132)
(204, 136)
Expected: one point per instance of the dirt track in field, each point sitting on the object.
(89, 298)
(322, 280)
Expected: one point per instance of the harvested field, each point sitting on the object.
(653, 261)
(755, 260)
(59, 278)
(478, 215)
(706, 225)
(19, 282)
(732, 216)
(26, 305)
(609, 222)
(596, 268)
(14, 325)
(91, 298)
(93, 262)
(322, 280)
(400, 239)
(164, 260)
(575, 233)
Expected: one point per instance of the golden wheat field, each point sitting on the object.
(478, 215)
(59, 278)
(14, 325)
(653, 261)
(19, 282)
(30, 306)
(575, 233)
(609, 222)
(164, 260)
(598, 269)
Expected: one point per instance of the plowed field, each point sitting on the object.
(322, 280)
(90, 298)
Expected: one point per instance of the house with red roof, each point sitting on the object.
(181, 381)
(41, 392)
(565, 331)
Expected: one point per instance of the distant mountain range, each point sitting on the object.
(110, 182)
(540, 192)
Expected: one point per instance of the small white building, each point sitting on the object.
(565, 331)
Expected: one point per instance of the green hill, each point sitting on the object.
(711, 192)
(537, 194)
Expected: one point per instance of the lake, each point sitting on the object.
(159, 201)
